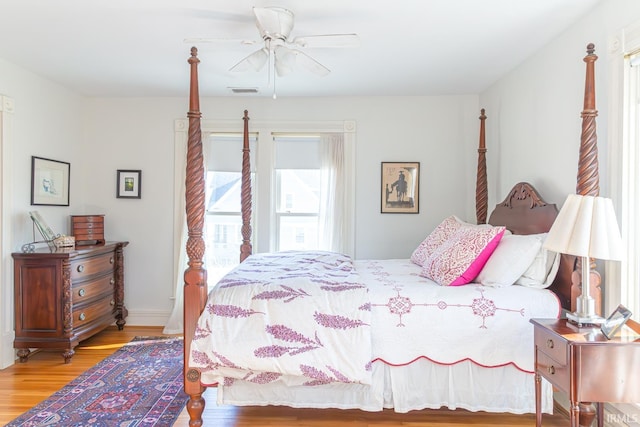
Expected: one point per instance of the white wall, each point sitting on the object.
(534, 122)
(46, 121)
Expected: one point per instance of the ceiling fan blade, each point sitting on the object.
(310, 64)
(274, 22)
(328, 40)
(255, 61)
(219, 40)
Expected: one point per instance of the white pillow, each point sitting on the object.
(514, 254)
(542, 270)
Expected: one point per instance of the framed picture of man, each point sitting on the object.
(400, 187)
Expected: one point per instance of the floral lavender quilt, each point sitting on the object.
(267, 321)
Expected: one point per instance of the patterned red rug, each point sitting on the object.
(138, 385)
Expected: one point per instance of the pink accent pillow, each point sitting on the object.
(435, 239)
(461, 258)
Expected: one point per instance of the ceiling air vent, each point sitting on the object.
(244, 89)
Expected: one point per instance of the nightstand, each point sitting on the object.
(587, 366)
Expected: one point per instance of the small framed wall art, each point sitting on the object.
(400, 187)
(49, 182)
(129, 184)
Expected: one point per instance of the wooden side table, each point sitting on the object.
(587, 366)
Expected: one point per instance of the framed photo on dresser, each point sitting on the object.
(614, 322)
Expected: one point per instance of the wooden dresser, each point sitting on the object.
(65, 295)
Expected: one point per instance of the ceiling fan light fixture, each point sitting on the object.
(274, 22)
(285, 60)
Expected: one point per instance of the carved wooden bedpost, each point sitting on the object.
(588, 183)
(481, 179)
(195, 276)
(245, 192)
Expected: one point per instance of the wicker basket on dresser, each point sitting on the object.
(66, 295)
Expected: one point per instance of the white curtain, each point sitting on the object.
(175, 324)
(333, 221)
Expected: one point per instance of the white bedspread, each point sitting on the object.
(463, 345)
(413, 317)
(301, 318)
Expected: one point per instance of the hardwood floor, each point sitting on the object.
(24, 385)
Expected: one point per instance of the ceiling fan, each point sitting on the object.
(275, 25)
(283, 52)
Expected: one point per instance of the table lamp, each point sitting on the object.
(586, 227)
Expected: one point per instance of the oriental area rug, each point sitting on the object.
(140, 385)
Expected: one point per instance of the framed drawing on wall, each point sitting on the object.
(400, 187)
(49, 182)
(129, 184)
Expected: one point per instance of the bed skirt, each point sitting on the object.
(420, 385)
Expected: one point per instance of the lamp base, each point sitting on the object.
(585, 319)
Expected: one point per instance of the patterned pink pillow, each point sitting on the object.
(435, 239)
(461, 258)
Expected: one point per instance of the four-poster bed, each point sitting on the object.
(523, 213)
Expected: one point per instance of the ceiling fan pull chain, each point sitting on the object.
(271, 62)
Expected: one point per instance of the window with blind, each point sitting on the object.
(297, 201)
(223, 220)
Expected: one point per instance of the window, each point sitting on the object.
(223, 219)
(223, 223)
(298, 209)
(631, 182)
(622, 278)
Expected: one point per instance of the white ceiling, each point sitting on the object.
(136, 48)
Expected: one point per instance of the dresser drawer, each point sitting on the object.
(557, 373)
(82, 234)
(551, 344)
(84, 268)
(88, 291)
(93, 312)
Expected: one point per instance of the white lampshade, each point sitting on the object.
(587, 227)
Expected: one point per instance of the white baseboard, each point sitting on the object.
(147, 318)
(8, 355)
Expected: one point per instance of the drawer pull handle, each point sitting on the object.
(80, 268)
(82, 292)
(82, 316)
(112, 281)
(551, 369)
(550, 343)
(111, 260)
(112, 302)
